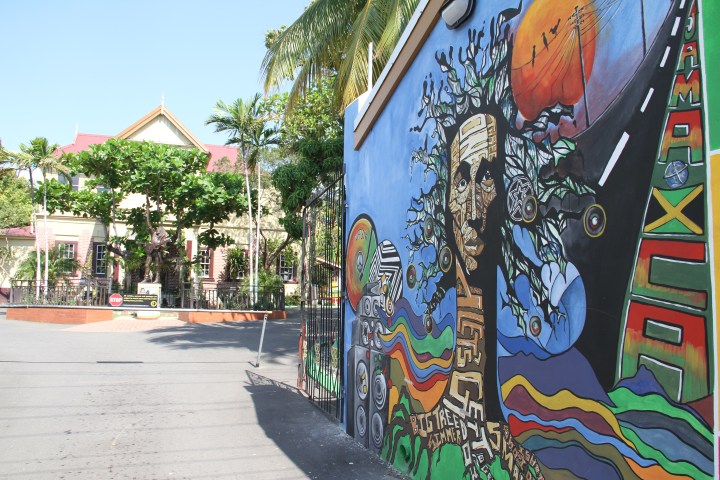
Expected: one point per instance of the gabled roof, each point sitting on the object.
(216, 152)
(417, 31)
(162, 111)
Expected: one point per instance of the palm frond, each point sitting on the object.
(320, 28)
(398, 14)
(331, 37)
(352, 76)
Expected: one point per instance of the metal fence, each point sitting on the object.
(25, 293)
(321, 342)
(233, 298)
(96, 295)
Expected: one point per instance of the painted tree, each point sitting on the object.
(177, 191)
(332, 37)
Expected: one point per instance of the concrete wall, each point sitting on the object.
(19, 248)
(529, 250)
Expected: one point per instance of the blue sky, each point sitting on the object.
(102, 65)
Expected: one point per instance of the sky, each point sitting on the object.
(99, 66)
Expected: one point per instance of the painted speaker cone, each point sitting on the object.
(529, 209)
(594, 220)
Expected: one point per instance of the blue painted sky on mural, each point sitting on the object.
(103, 65)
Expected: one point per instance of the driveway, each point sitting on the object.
(183, 401)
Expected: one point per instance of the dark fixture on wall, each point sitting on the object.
(455, 12)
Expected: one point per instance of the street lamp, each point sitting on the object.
(455, 12)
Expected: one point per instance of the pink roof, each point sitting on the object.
(217, 152)
(84, 140)
(25, 232)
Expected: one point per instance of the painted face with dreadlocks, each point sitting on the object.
(472, 188)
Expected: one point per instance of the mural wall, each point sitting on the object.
(528, 249)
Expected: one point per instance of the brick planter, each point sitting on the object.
(62, 315)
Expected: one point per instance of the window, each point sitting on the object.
(67, 252)
(99, 265)
(286, 269)
(102, 188)
(75, 181)
(206, 262)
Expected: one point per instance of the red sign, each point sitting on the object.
(115, 300)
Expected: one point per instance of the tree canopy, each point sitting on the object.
(15, 206)
(175, 191)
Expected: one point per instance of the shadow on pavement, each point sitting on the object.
(311, 440)
(281, 337)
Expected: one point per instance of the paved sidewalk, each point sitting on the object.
(127, 324)
(177, 402)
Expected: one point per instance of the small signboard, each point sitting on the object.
(148, 289)
(129, 300)
(140, 300)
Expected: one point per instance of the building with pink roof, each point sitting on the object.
(85, 238)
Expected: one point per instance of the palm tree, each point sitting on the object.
(332, 36)
(249, 128)
(24, 161)
(55, 264)
(41, 156)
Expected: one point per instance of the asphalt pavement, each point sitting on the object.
(174, 402)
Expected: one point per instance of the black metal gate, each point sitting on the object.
(322, 284)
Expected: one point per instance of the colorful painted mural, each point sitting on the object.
(540, 304)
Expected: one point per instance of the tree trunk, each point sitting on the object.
(272, 256)
(250, 230)
(110, 265)
(37, 243)
(257, 226)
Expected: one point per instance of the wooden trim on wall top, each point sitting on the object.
(395, 72)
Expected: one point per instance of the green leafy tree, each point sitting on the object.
(15, 203)
(318, 163)
(314, 116)
(332, 36)
(312, 146)
(178, 192)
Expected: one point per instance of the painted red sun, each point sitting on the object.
(546, 56)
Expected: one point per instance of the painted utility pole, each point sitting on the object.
(577, 19)
(642, 24)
